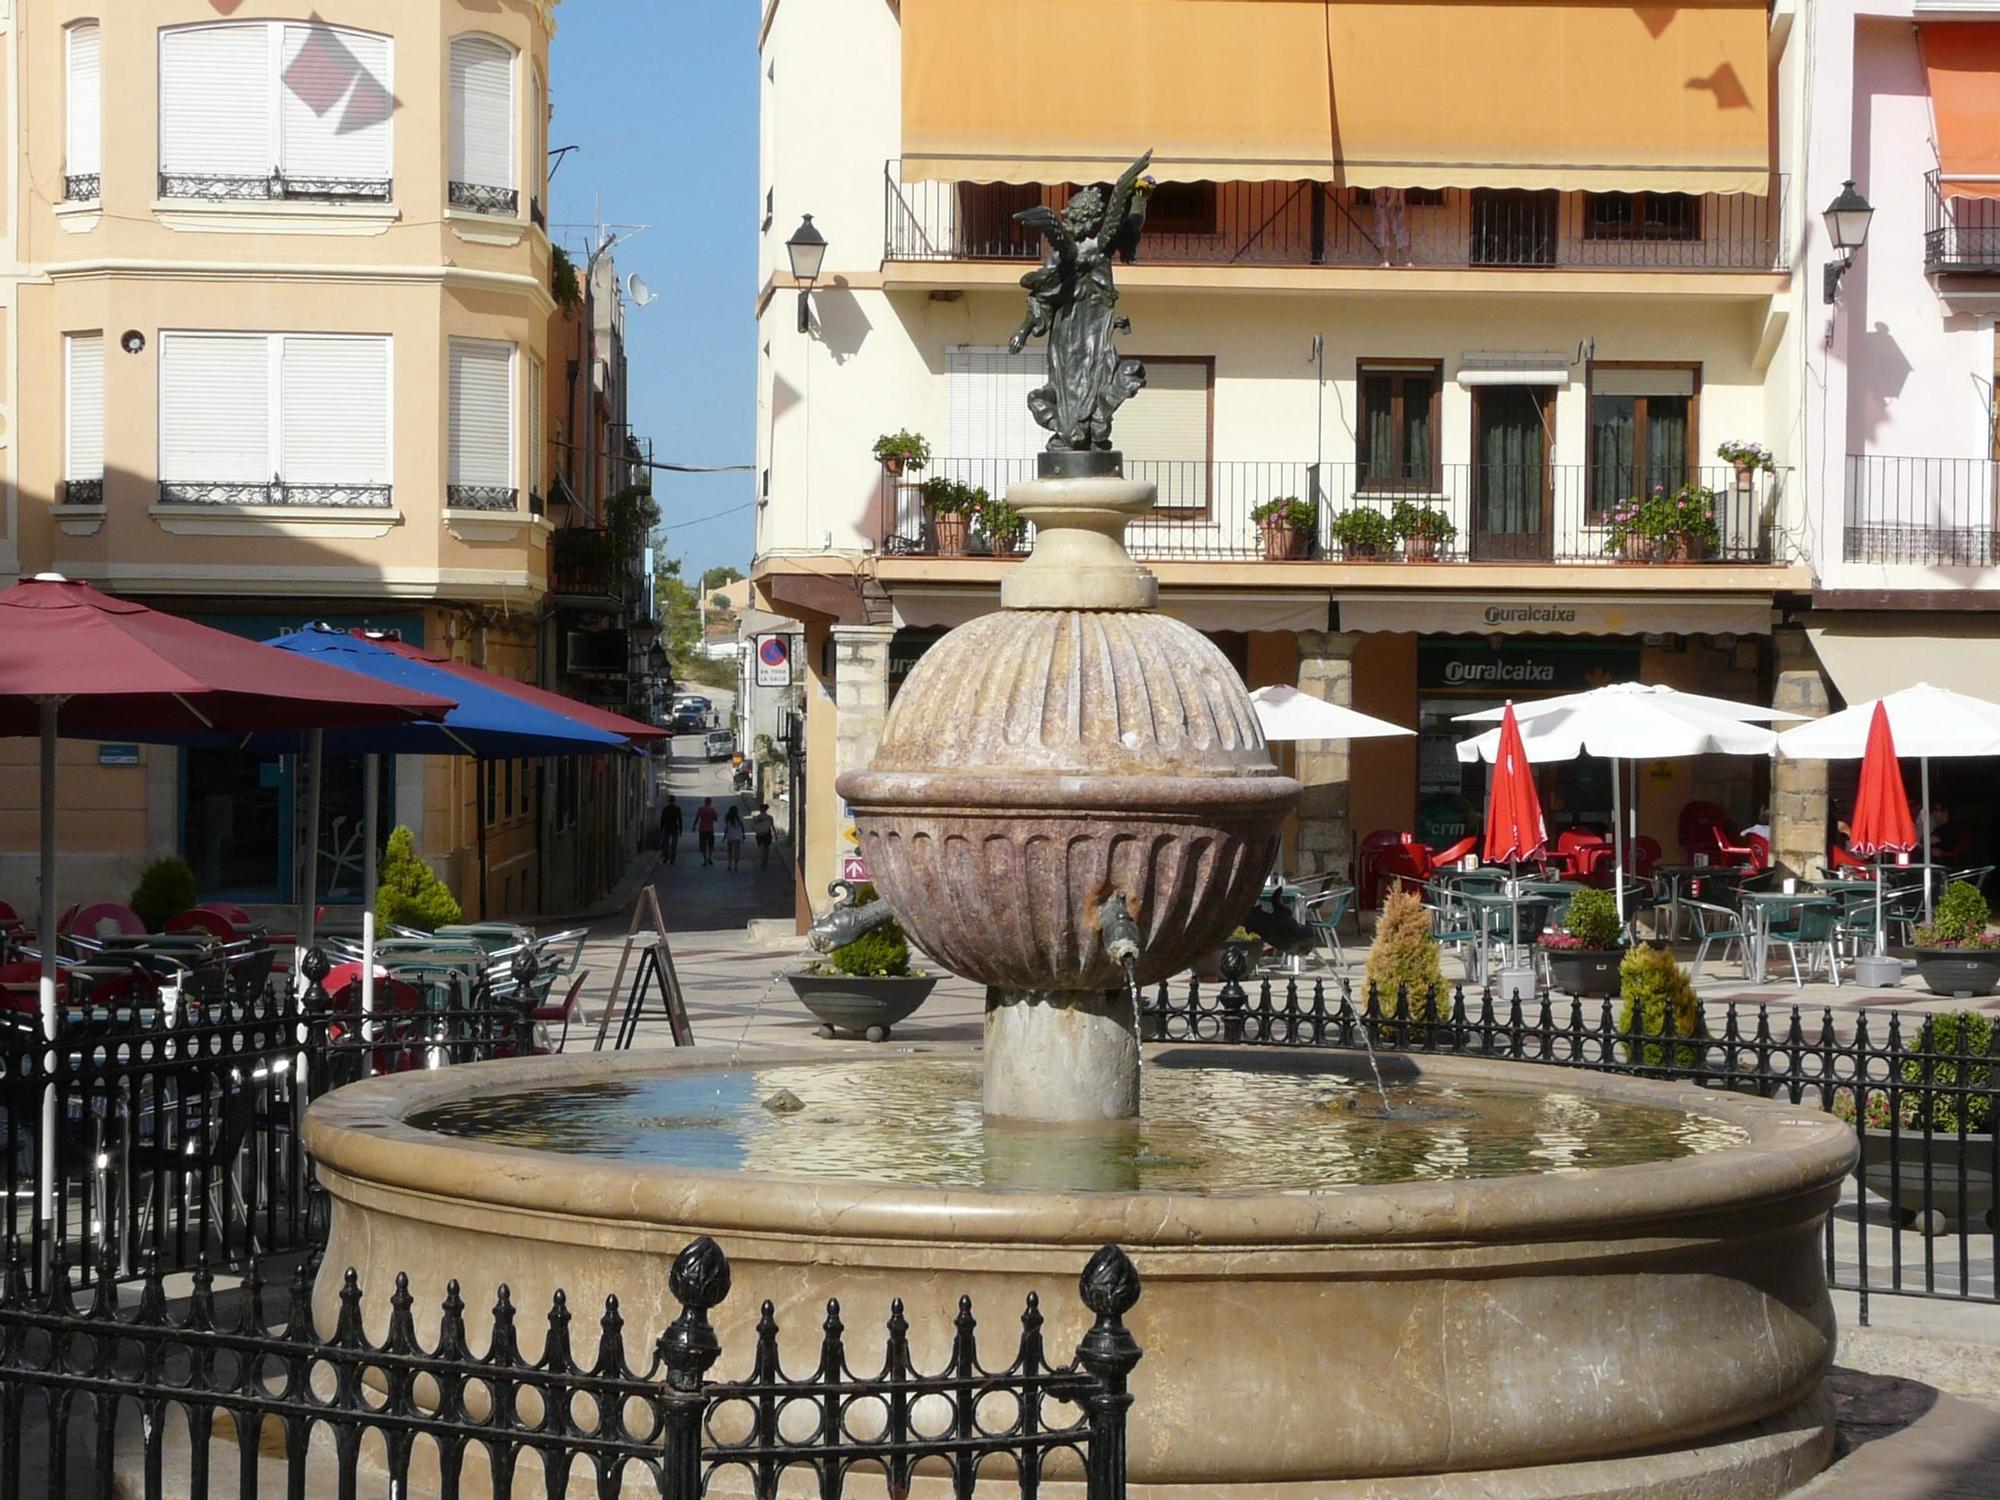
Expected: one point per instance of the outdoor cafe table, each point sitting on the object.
(1758, 908)
(1681, 880)
(1493, 915)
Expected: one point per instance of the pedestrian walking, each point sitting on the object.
(670, 830)
(732, 837)
(761, 825)
(704, 830)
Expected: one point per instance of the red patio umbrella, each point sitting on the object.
(1514, 827)
(1881, 822)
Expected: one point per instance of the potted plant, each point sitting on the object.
(1749, 460)
(1956, 955)
(1927, 1146)
(902, 452)
(1003, 527)
(864, 987)
(166, 889)
(1584, 954)
(1286, 525)
(1208, 968)
(1423, 529)
(948, 506)
(1652, 987)
(1666, 526)
(1364, 534)
(1403, 963)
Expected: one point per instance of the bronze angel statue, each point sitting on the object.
(1071, 300)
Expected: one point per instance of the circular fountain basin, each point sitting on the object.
(1538, 1282)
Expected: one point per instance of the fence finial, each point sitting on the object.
(699, 1280)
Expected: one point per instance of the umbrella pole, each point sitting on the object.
(1881, 941)
(45, 1174)
(315, 774)
(1924, 849)
(371, 794)
(1618, 839)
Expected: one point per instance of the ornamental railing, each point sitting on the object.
(222, 187)
(82, 187)
(1962, 224)
(1318, 224)
(276, 494)
(83, 491)
(483, 199)
(244, 1403)
(1564, 513)
(482, 497)
(1934, 512)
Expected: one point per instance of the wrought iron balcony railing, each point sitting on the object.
(1299, 224)
(83, 491)
(483, 199)
(274, 186)
(482, 497)
(1508, 513)
(1962, 225)
(83, 187)
(275, 493)
(1935, 512)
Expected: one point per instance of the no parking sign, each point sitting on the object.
(774, 661)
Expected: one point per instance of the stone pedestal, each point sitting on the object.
(1326, 829)
(1061, 1055)
(1798, 787)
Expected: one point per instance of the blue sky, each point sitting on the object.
(661, 99)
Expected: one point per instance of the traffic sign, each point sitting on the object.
(774, 661)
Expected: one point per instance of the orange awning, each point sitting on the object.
(1073, 90)
(1963, 61)
(1573, 96)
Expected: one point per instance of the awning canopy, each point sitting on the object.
(1454, 93)
(1871, 657)
(1239, 610)
(1962, 59)
(1555, 614)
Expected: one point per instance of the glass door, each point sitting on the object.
(1512, 497)
(236, 819)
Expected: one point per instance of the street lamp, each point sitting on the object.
(1847, 219)
(656, 659)
(807, 249)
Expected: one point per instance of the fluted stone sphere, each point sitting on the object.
(1037, 762)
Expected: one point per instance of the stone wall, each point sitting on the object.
(1798, 787)
(1326, 831)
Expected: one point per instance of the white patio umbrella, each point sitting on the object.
(1285, 713)
(1927, 722)
(1629, 721)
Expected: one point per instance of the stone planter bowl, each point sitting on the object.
(1898, 1169)
(867, 1007)
(1962, 972)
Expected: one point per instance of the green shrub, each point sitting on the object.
(1361, 530)
(1959, 920)
(947, 497)
(1409, 519)
(166, 889)
(1651, 986)
(408, 893)
(883, 953)
(1300, 513)
(1592, 918)
(1404, 959)
(1950, 1034)
(1002, 525)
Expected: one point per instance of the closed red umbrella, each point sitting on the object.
(1514, 827)
(1881, 822)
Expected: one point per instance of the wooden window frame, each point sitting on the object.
(1395, 368)
(1639, 231)
(1204, 220)
(1595, 505)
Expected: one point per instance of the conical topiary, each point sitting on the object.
(1404, 959)
(409, 894)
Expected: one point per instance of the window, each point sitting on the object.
(82, 152)
(1181, 208)
(1641, 216)
(274, 109)
(538, 148)
(1514, 227)
(1396, 426)
(480, 426)
(274, 419)
(1412, 197)
(1642, 430)
(538, 457)
(83, 419)
(1163, 431)
(482, 126)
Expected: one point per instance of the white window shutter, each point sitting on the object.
(84, 152)
(215, 408)
(215, 100)
(538, 460)
(481, 432)
(482, 112)
(334, 104)
(986, 396)
(1163, 432)
(83, 406)
(333, 410)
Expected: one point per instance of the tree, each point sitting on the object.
(680, 624)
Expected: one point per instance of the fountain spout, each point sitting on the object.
(845, 921)
(1120, 931)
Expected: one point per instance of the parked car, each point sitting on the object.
(721, 744)
(690, 719)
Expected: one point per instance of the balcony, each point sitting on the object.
(482, 497)
(274, 186)
(1934, 512)
(1310, 224)
(482, 199)
(276, 494)
(1512, 513)
(586, 572)
(1961, 234)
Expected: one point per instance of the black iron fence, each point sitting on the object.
(1563, 513)
(249, 1406)
(1925, 1097)
(1961, 224)
(1318, 224)
(1937, 512)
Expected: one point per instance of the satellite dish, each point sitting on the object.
(636, 285)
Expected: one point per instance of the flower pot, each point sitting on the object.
(867, 1007)
(953, 529)
(893, 466)
(1005, 547)
(1420, 548)
(1684, 547)
(1905, 1169)
(1361, 551)
(1589, 973)
(1283, 542)
(1960, 972)
(1634, 548)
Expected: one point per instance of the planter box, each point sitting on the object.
(1283, 542)
(953, 529)
(1938, 1159)
(866, 1007)
(1588, 972)
(1420, 549)
(1961, 972)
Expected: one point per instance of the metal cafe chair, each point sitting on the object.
(1811, 926)
(1722, 925)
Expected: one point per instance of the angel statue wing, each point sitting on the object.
(1119, 228)
(1047, 221)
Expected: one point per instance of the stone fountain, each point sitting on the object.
(1528, 1283)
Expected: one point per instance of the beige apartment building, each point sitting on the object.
(275, 306)
(1515, 268)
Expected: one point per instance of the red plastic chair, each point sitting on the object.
(90, 920)
(395, 1001)
(1838, 858)
(1581, 853)
(563, 1013)
(1367, 865)
(234, 915)
(201, 919)
(1760, 851)
(1451, 854)
(1643, 855)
